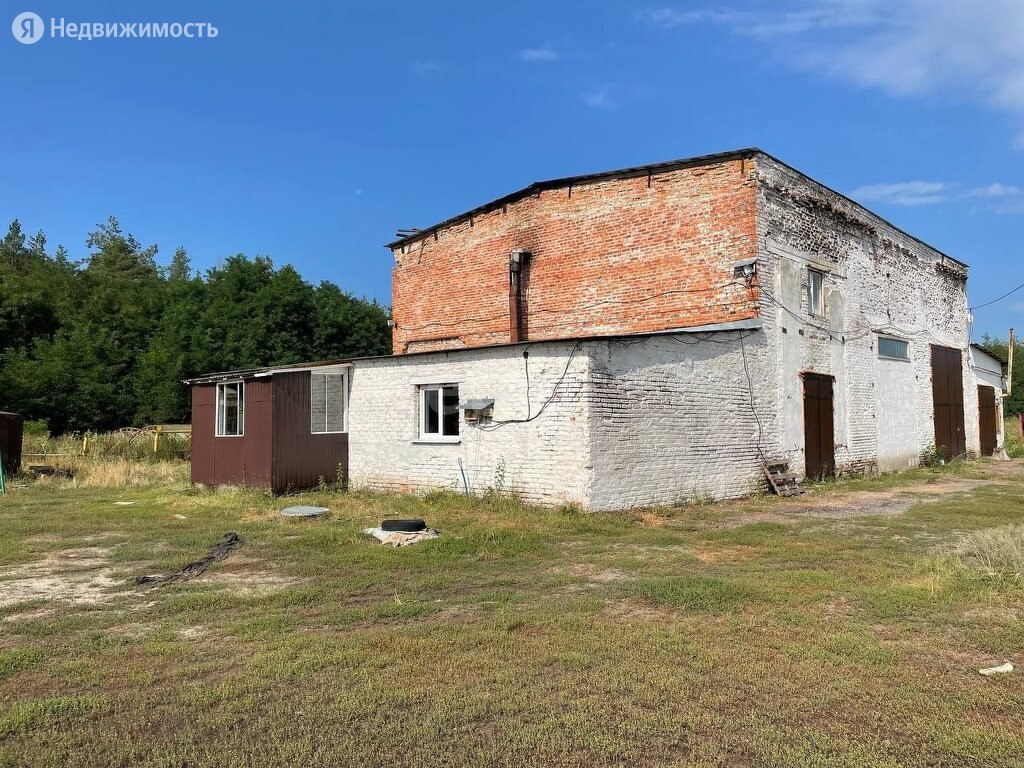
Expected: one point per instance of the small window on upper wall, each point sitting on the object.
(230, 409)
(328, 393)
(893, 349)
(815, 300)
(439, 412)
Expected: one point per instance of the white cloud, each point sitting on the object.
(947, 48)
(825, 14)
(539, 55)
(998, 197)
(907, 193)
(996, 190)
(599, 98)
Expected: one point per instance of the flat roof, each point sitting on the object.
(248, 373)
(752, 324)
(644, 170)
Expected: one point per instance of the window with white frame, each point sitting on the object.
(328, 402)
(230, 409)
(439, 412)
(893, 349)
(815, 302)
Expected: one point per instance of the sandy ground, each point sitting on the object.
(79, 576)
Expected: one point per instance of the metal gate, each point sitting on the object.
(987, 419)
(819, 431)
(948, 399)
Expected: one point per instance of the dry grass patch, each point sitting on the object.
(994, 551)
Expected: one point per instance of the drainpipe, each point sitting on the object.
(516, 262)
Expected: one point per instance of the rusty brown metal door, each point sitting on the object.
(948, 400)
(987, 419)
(819, 429)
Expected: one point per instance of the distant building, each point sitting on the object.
(989, 370)
(637, 337)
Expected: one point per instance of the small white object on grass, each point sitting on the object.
(401, 538)
(181, 517)
(1002, 669)
(124, 503)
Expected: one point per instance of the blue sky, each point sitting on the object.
(311, 134)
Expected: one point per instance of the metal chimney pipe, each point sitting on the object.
(516, 261)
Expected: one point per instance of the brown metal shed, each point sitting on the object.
(12, 427)
(277, 449)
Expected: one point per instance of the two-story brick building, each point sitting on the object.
(646, 335)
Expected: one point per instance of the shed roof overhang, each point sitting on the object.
(269, 370)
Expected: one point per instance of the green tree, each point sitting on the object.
(105, 342)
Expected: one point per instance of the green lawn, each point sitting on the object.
(840, 631)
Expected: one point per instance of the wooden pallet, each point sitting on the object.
(782, 481)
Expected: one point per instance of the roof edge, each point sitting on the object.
(264, 370)
(586, 178)
(652, 168)
(864, 208)
(982, 348)
(752, 324)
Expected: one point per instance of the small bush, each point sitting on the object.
(996, 551)
(932, 457)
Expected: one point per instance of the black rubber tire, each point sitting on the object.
(404, 526)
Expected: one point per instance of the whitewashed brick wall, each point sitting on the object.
(671, 418)
(544, 460)
(648, 420)
(662, 419)
(878, 279)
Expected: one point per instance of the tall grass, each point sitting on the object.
(995, 551)
(116, 459)
(1014, 441)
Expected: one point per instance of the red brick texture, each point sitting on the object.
(610, 257)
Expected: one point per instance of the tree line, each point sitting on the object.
(105, 342)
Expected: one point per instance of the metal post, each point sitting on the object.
(1009, 371)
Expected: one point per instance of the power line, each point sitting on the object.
(606, 302)
(554, 391)
(1004, 296)
(750, 391)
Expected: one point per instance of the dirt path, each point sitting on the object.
(837, 502)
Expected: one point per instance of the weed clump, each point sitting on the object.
(997, 552)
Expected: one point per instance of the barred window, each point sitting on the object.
(328, 406)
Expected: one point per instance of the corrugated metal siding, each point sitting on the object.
(245, 460)
(300, 457)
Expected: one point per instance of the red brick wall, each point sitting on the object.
(617, 256)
